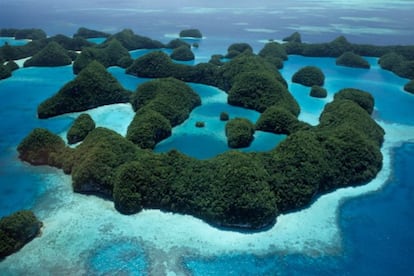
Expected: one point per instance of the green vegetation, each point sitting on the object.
(39, 147)
(293, 38)
(5, 72)
(239, 132)
(259, 90)
(182, 53)
(11, 65)
(170, 97)
(318, 92)
(93, 87)
(224, 116)
(351, 59)
(200, 124)
(409, 87)
(16, 230)
(80, 128)
(398, 64)
(52, 55)
(274, 53)
(237, 49)
(111, 53)
(362, 98)
(309, 76)
(93, 163)
(148, 128)
(175, 43)
(278, 120)
(191, 33)
(133, 41)
(88, 33)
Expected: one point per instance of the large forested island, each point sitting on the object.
(234, 189)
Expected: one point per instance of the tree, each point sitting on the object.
(309, 76)
(239, 132)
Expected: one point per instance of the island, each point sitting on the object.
(318, 92)
(194, 33)
(16, 230)
(234, 189)
(351, 59)
(309, 76)
(51, 55)
(239, 132)
(93, 87)
(182, 53)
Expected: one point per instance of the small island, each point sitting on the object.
(194, 33)
(51, 55)
(318, 92)
(309, 76)
(351, 59)
(93, 87)
(16, 230)
(239, 132)
(409, 87)
(182, 53)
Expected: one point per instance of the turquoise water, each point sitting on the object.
(13, 42)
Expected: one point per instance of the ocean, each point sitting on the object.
(362, 230)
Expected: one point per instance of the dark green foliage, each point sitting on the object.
(34, 34)
(224, 116)
(273, 50)
(216, 60)
(74, 44)
(133, 41)
(111, 53)
(258, 90)
(200, 124)
(274, 53)
(80, 128)
(38, 147)
(94, 161)
(294, 38)
(11, 65)
(93, 87)
(297, 168)
(318, 92)
(170, 97)
(239, 132)
(351, 59)
(191, 33)
(148, 128)
(237, 49)
(88, 33)
(309, 76)
(362, 98)
(278, 120)
(344, 112)
(182, 53)
(8, 32)
(52, 55)
(5, 72)
(17, 230)
(398, 64)
(175, 43)
(409, 87)
(153, 65)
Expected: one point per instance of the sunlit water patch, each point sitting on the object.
(12, 41)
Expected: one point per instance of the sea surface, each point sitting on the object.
(364, 230)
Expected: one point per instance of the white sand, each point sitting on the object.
(116, 117)
(75, 224)
(20, 62)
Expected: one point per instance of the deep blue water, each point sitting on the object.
(376, 228)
